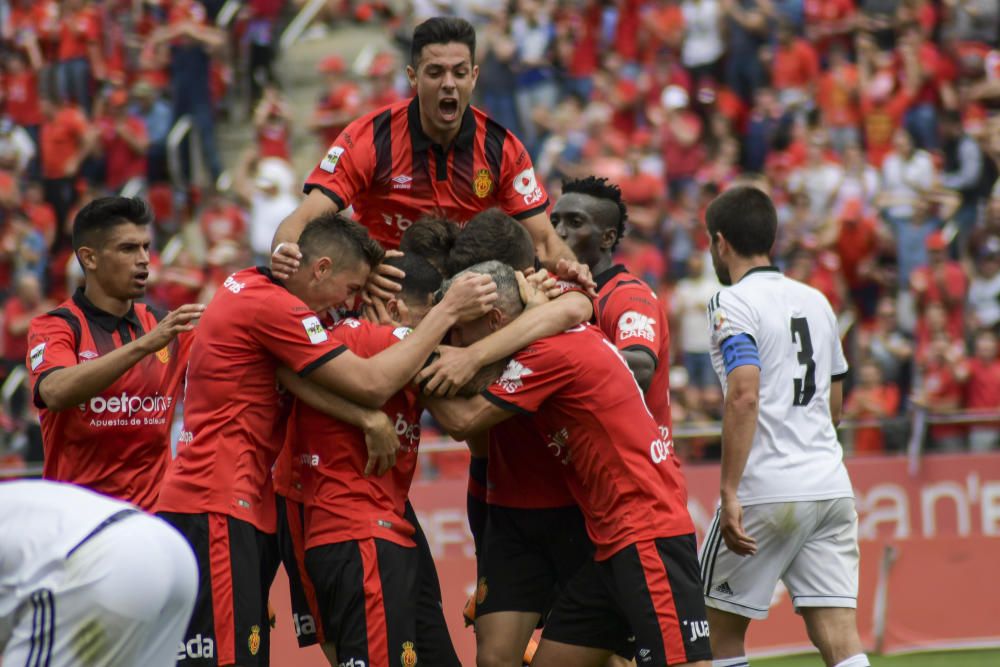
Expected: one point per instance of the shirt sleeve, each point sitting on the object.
(346, 171)
(51, 346)
(838, 362)
(730, 315)
(294, 334)
(534, 374)
(520, 195)
(633, 319)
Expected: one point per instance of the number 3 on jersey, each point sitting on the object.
(805, 387)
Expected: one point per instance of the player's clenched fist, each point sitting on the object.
(177, 321)
(471, 296)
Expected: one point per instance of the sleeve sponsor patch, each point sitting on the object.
(633, 324)
(513, 376)
(314, 329)
(402, 332)
(329, 163)
(37, 356)
(526, 185)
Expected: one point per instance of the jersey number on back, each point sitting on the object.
(805, 387)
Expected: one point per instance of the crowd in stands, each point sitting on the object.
(873, 124)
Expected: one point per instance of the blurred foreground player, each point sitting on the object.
(640, 593)
(218, 491)
(777, 352)
(107, 371)
(87, 580)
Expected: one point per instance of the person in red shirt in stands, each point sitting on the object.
(794, 68)
(982, 391)
(837, 99)
(20, 97)
(123, 142)
(222, 220)
(942, 392)
(339, 105)
(578, 393)
(106, 370)
(883, 102)
(39, 211)
(941, 281)
(829, 24)
(79, 55)
(382, 81)
(26, 303)
(871, 399)
(272, 120)
(67, 138)
(857, 245)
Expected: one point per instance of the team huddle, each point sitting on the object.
(303, 385)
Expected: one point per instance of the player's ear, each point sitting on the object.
(608, 238)
(87, 257)
(475, 74)
(411, 76)
(495, 319)
(398, 310)
(322, 268)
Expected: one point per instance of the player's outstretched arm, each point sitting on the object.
(315, 204)
(463, 418)
(68, 387)
(380, 432)
(457, 366)
(739, 423)
(837, 400)
(371, 382)
(548, 245)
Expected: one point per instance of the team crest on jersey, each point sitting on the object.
(163, 355)
(481, 590)
(253, 643)
(408, 658)
(329, 163)
(636, 325)
(511, 380)
(483, 183)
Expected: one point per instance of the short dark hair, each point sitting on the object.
(746, 218)
(98, 217)
(332, 235)
(442, 30)
(489, 235)
(432, 237)
(422, 278)
(601, 188)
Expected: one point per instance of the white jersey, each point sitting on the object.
(40, 523)
(795, 453)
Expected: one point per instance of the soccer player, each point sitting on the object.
(642, 581)
(106, 370)
(432, 153)
(787, 509)
(361, 546)
(590, 216)
(88, 580)
(218, 490)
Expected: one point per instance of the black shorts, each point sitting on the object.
(236, 564)
(650, 591)
(434, 643)
(529, 555)
(367, 594)
(292, 548)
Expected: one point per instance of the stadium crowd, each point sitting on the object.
(874, 125)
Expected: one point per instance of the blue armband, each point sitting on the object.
(739, 350)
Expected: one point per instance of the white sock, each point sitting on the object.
(740, 661)
(859, 660)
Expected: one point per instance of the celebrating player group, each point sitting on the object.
(457, 288)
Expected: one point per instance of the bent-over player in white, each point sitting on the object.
(88, 580)
(787, 509)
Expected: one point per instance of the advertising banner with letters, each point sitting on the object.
(930, 553)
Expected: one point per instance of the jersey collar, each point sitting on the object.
(104, 319)
(760, 269)
(604, 277)
(266, 272)
(421, 142)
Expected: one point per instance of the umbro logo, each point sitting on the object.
(724, 588)
(402, 182)
(88, 355)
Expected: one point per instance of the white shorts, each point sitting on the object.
(812, 546)
(123, 598)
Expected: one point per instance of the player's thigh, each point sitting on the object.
(502, 636)
(657, 585)
(744, 585)
(585, 616)
(551, 653)
(824, 572)
(235, 560)
(515, 572)
(291, 549)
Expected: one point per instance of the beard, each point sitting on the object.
(721, 271)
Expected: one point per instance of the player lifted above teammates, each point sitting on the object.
(434, 153)
(121, 362)
(777, 351)
(643, 580)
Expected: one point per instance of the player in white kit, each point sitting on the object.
(787, 509)
(88, 580)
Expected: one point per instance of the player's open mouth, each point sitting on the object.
(141, 277)
(448, 106)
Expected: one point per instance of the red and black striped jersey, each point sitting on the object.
(389, 170)
(118, 442)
